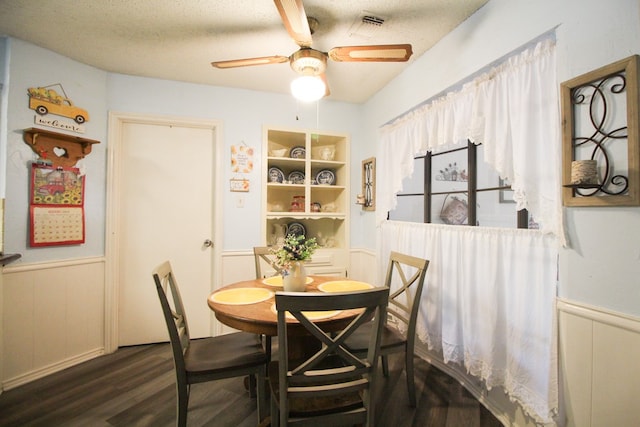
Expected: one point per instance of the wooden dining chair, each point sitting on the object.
(331, 386)
(207, 359)
(263, 256)
(399, 332)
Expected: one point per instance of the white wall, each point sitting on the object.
(31, 66)
(243, 114)
(603, 264)
(4, 90)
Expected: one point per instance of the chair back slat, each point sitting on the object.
(410, 288)
(173, 311)
(333, 370)
(330, 389)
(265, 262)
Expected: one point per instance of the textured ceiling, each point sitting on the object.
(178, 39)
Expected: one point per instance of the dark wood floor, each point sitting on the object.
(135, 387)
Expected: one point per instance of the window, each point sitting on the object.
(458, 187)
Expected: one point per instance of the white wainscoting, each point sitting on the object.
(53, 317)
(363, 266)
(600, 366)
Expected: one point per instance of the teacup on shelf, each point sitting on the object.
(329, 207)
(327, 153)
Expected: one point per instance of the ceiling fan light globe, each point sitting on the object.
(308, 88)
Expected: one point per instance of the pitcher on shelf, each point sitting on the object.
(279, 234)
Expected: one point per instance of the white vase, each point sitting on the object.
(296, 278)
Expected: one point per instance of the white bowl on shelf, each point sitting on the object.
(278, 153)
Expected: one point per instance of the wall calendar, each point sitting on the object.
(57, 206)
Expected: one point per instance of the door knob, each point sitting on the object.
(208, 243)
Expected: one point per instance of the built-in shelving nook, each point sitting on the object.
(306, 189)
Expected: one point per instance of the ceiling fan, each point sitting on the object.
(311, 63)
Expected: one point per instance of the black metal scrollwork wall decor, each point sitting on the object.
(600, 115)
(369, 184)
(598, 96)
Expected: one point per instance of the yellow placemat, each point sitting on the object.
(277, 281)
(238, 296)
(311, 315)
(344, 286)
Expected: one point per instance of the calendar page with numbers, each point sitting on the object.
(57, 225)
(57, 206)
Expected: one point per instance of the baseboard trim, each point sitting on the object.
(51, 369)
(19, 268)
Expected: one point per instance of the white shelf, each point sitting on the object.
(321, 151)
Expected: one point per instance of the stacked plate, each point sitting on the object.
(326, 177)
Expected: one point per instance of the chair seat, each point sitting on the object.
(359, 340)
(222, 353)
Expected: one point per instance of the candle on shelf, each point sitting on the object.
(584, 172)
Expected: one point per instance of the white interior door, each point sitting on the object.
(166, 193)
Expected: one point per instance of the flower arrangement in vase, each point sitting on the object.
(290, 257)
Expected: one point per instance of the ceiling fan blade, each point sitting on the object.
(264, 60)
(374, 53)
(295, 21)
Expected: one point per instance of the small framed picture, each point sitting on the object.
(239, 185)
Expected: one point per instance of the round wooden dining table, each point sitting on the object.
(257, 314)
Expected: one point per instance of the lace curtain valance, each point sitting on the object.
(513, 110)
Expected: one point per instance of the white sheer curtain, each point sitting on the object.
(476, 309)
(490, 293)
(513, 110)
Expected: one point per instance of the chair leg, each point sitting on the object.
(183, 405)
(267, 347)
(261, 392)
(252, 385)
(275, 414)
(385, 365)
(411, 383)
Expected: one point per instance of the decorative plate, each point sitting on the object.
(239, 296)
(296, 177)
(297, 229)
(297, 152)
(325, 177)
(311, 315)
(276, 175)
(344, 286)
(276, 281)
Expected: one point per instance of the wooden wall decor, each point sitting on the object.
(600, 114)
(58, 148)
